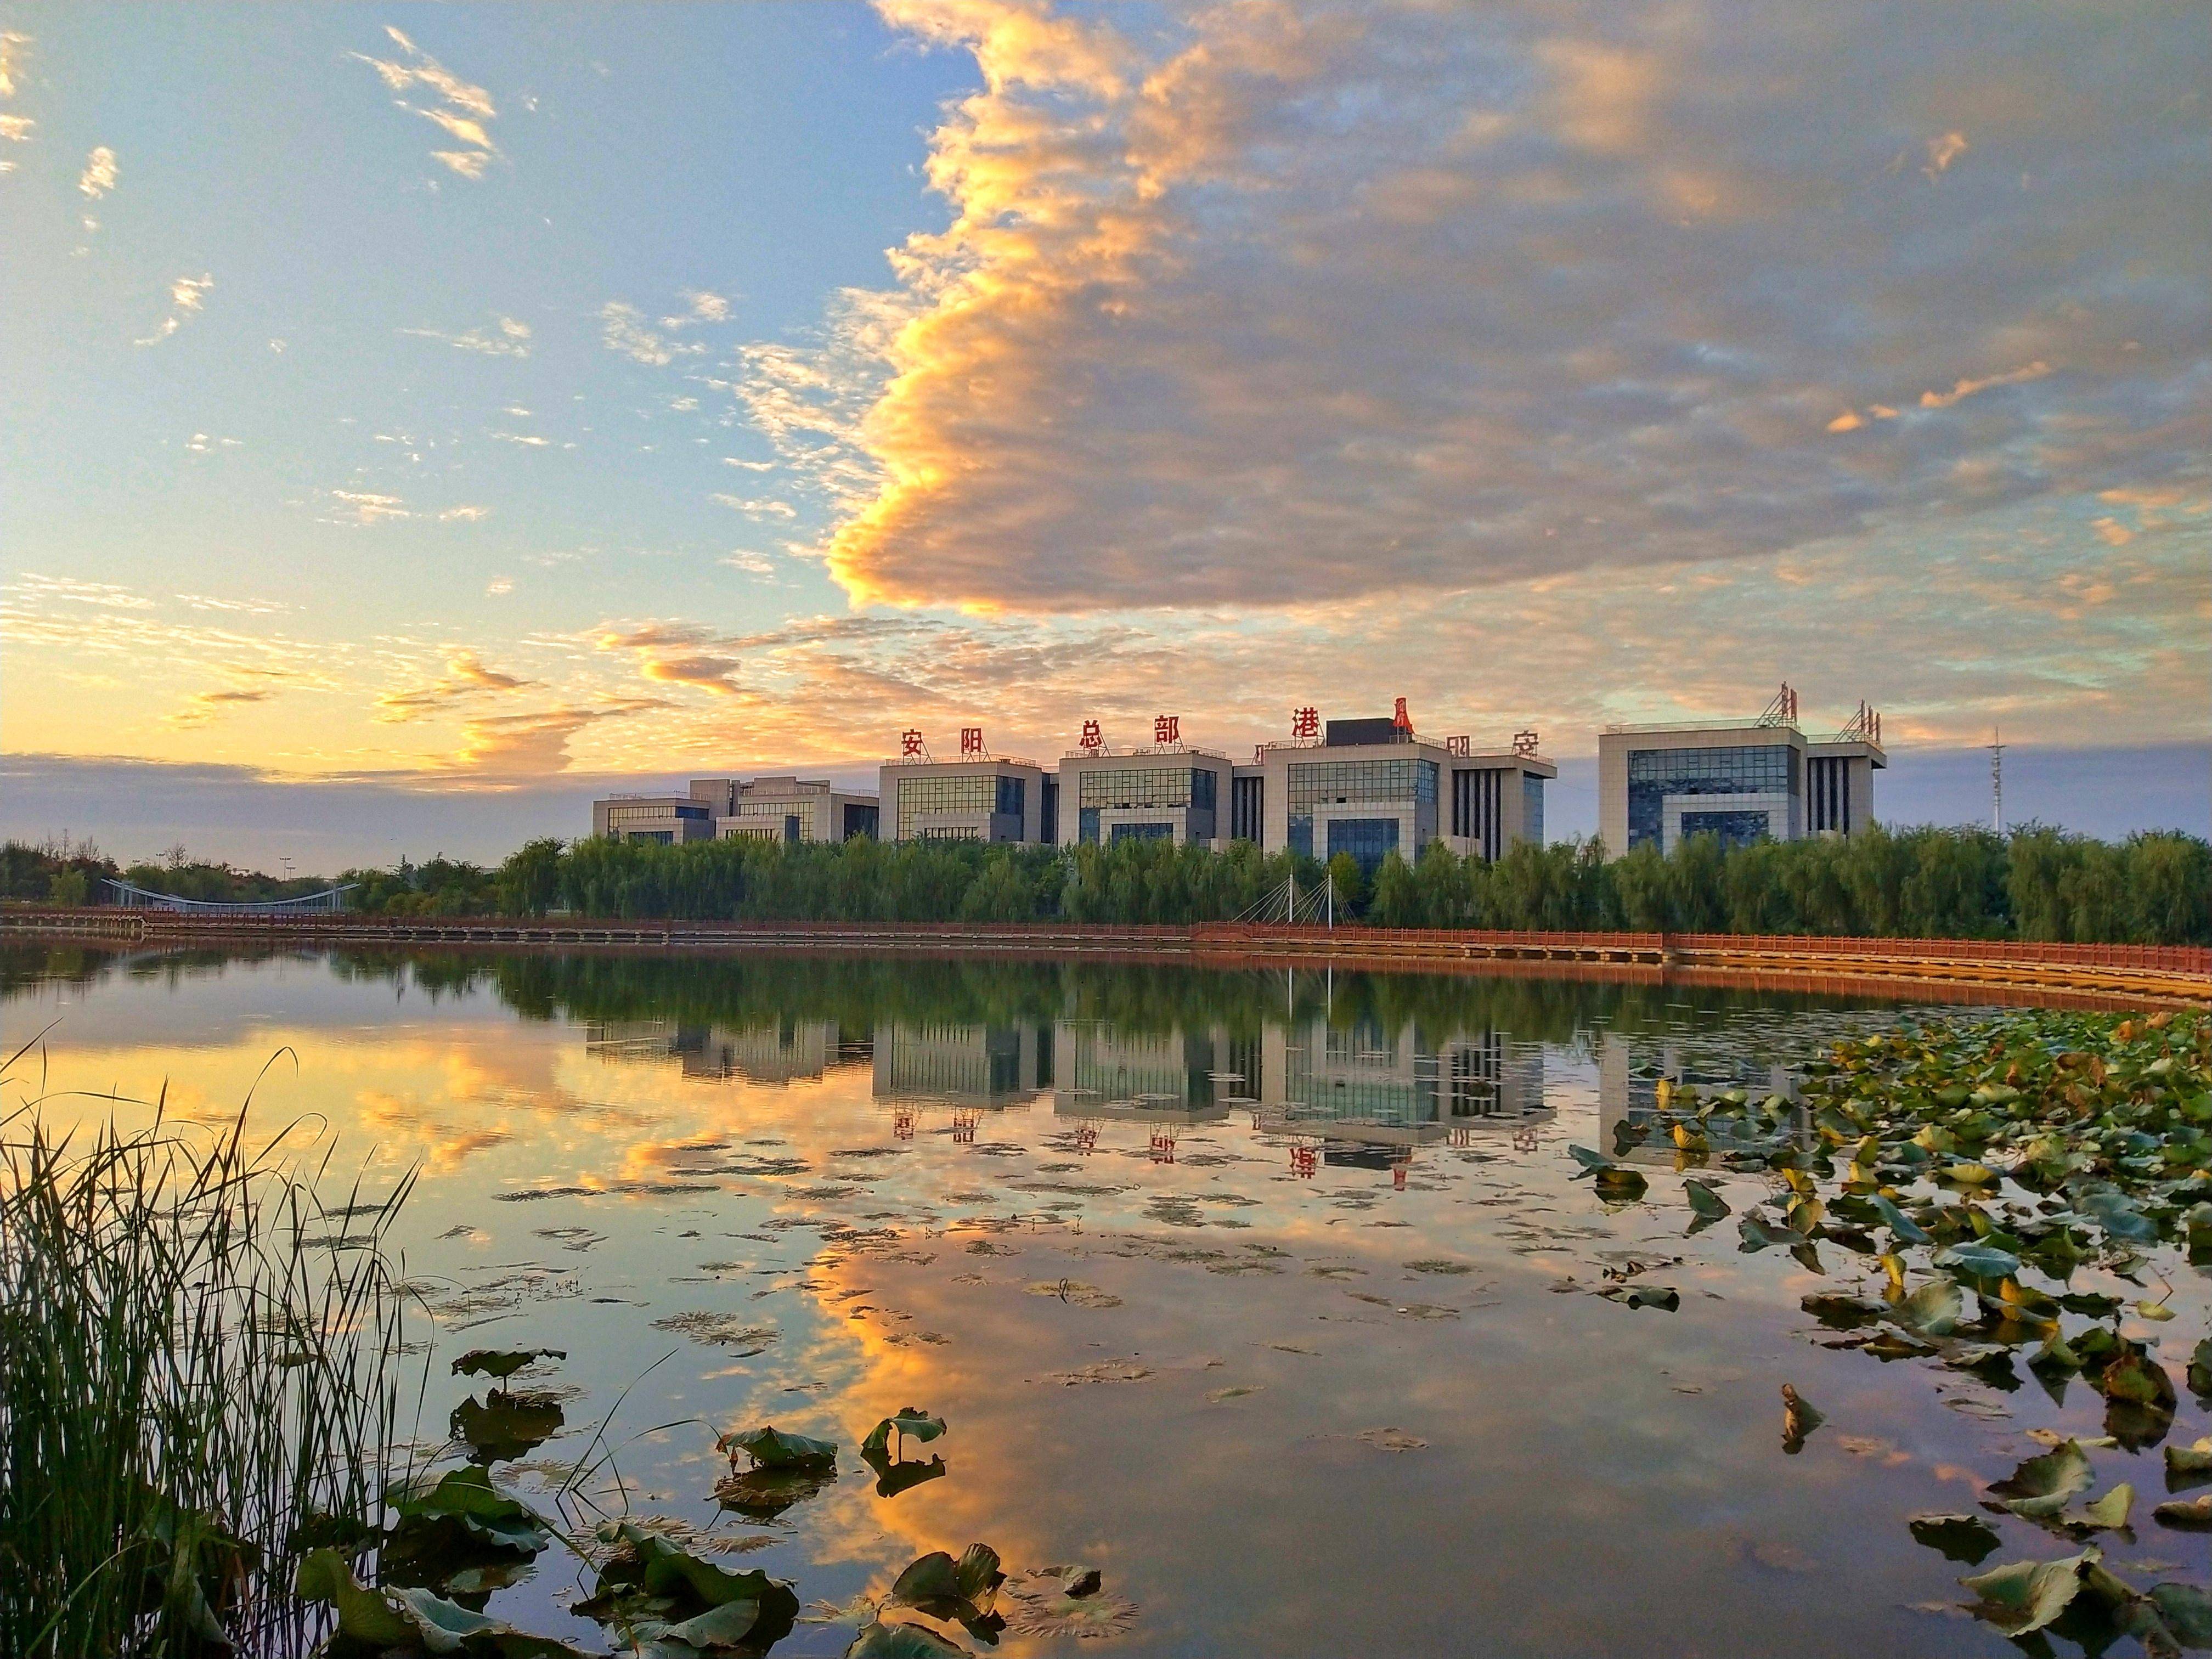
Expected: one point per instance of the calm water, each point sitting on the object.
(1272, 1299)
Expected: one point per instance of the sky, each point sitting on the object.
(419, 418)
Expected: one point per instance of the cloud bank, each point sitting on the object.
(1273, 304)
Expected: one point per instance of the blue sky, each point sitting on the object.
(457, 407)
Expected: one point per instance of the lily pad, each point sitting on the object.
(762, 1494)
(392, 1620)
(2188, 1466)
(464, 1500)
(2022, 1597)
(666, 1603)
(2189, 1514)
(769, 1448)
(908, 1423)
(2040, 1487)
(500, 1364)
(1799, 1419)
(882, 1641)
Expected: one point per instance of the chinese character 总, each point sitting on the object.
(1092, 738)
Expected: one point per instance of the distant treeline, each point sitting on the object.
(2034, 883)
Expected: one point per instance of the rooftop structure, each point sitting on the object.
(1738, 780)
(1165, 790)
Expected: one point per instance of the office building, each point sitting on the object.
(1166, 791)
(1738, 780)
(786, 809)
(975, 798)
(1370, 788)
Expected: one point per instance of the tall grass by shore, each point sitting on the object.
(199, 1381)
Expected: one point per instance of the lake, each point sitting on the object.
(1274, 1297)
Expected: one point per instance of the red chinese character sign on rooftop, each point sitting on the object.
(1459, 748)
(910, 744)
(1400, 719)
(1093, 738)
(971, 740)
(1524, 742)
(1167, 728)
(1305, 722)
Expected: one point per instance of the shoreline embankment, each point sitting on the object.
(1986, 969)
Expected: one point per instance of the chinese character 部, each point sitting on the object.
(1167, 728)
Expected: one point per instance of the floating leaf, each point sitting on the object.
(1708, 1203)
(908, 1423)
(1934, 1310)
(2186, 1611)
(1842, 1311)
(1662, 1296)
(500, 1364)
(2024, 1597)
(936, 1585)
(2105, 1514)
(882, 1641)
(464, 1498)
(892, 1479)
(397, 1621)
(771, 1448)
(1908, 1230)
(2190, 1514)
(667, 1603)
(1967, 1538)
(1620, 1185)
(2188, 1466)
(2040, 1486)
(1978, 1260)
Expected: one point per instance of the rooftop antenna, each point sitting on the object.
(1996, 780)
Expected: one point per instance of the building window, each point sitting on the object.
(1733, 828)
(1140, 786)
(1247, 799)
(971, 792)
(1160, 831)
(1531, 808)
(651, 812)
(1655, 774)
(1366, 838)
(662, 837)
(780, 814)
(1361, 783)
(859, 820)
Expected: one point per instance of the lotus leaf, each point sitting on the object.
(1662, 1296)
(508, 1425)
(1708, 1203)
(2024, 1596)
(500, 1364)
(396, 1621)
(1936, 1308)
(936, 1580)
(765, 1493)
(1757, 1235)
(2186, 1611)
(2189, 1514)
(771, 1448)
(1908, 1230)
(910, 1422)
(2040, 1487)
(2105, 1514)
(1978, 1260)
(669, 1604)
(2188, 1466)
(882, 1641)
(465, 1498)
(1618, 1185)
(892, 1479)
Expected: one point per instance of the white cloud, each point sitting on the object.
(462, 109)
(761, 509)
(505, 337)
(11, 59)
(99, 175)
(186, 295)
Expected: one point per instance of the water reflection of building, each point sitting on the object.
(1628, 1077)
(1362, 1085)
(1169, 1076)
(785, 1051)
(986, 1066)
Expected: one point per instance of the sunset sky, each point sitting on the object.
(443, 405)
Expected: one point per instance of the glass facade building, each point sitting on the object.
(971, 792)
(1412, 782)
(1733, 828)
(1138, 787)
(1748, 769)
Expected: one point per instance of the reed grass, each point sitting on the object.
(199, 1381)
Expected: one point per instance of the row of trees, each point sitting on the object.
(2034, 883)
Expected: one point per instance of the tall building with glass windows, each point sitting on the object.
(1167, 792)
(1736, 780)
(1371, 787)
(977, 799)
